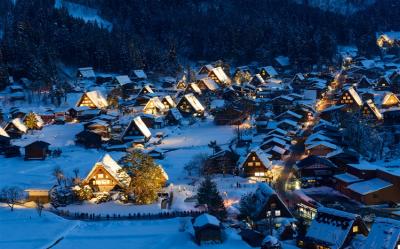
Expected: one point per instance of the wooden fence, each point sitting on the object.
(131, 216)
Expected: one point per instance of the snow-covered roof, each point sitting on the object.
(17, 122)
(194, 102)
(140, 74)
(157, 104)
(87, 72)
(384, 234)
(368, 63)
(114, 169)
(290, 113)
(123, 79)
(176, 114)
(347, 178)
(270, 71)
(389, 95)
(322, 143)
(142, 126)
(277, 149)
(3, 133)
(195, 88)
(283, 60)
(276, 140)
(169, 100)
(374, 109)
(289, 122)
(210, 84)
(355, 95)
(369, 186)
(392, 35)
(206, 219)
(97, 98)
(220, 74)
(331, 226)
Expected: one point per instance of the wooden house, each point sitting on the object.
(89, 139)
(4, 139)
(85, 73)
(276, 152)
(364, 82)
(122, 80)
(206, 69)
(373, 191)
(100, 127)
(269, 204)
(219, 76)
(282, 103)
(222, 162)
(207, 85)
(168, 102)
(390, 100)
(207, 228)
(16, 128)
(371, 112)
(267, 72)
(229, 115)
(137, 75)
(321, 148)
(155, 106)
(281, 63)
(38, 195)
(193, 88)
(316, 171)
(146, 90)
(333, 229)
(350, 99)
(383, 84)
(190, 105)
(257, 80)
(136, 131)
(256, 164)
(181, 85)
(37, 150)
(242, 74)
(273, 141)
(173, 117)
(106, 175)
(93, 100)
(384, 233)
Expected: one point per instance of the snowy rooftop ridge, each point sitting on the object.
(206, 219)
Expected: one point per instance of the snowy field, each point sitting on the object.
(23, 228)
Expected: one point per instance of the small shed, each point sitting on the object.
(38, 195)
(207, 228)
(37, 150)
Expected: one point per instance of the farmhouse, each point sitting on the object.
(154, 106)
(256, 164)
(190, 105)
(219, 76)
(333, 229)
(85, 73)
(370, 111)
(136, 131)
(137, 74)
(207, 84)
(267, 72)
(350, 99)
(16, 128)
(106, 175)
(93, 100)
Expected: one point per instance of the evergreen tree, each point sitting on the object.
(208, 194)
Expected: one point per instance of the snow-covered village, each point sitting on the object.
(114, 135)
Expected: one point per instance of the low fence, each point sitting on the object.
(131, 216)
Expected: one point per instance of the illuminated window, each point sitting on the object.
(258, 164)
(100, 175)
(259, 173)
(103, 182)
(355, 229)
(277, 213)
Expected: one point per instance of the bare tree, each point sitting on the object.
(195, 166)
(11, 195)
(58, 174)
(39, 207)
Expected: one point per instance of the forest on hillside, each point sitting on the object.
(163, 35)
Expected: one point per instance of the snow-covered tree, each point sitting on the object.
(208, 194)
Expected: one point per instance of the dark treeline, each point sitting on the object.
(157, 35)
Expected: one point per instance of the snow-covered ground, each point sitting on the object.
(23, 228)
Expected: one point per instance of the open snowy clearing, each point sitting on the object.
(23, 228)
